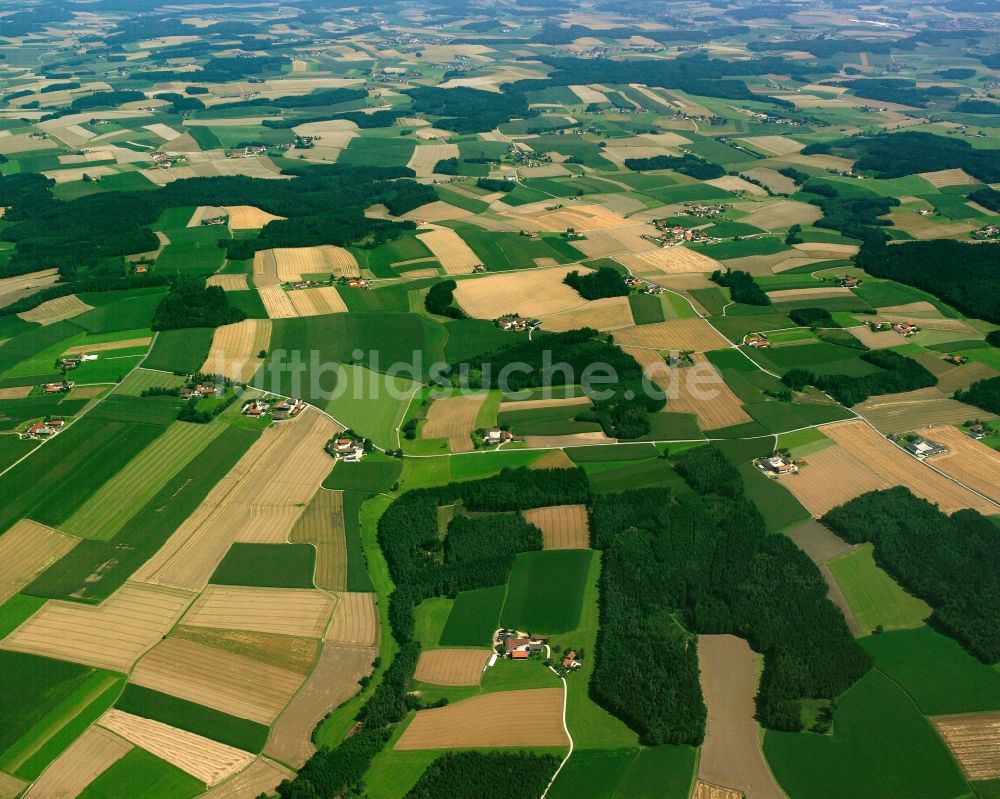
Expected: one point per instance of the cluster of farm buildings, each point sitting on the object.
(279, 409)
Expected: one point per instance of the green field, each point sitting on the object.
(16, 610)
(881, 746)
(240, 733)
(776, 504)
(194, 249)
(474, 617)
(140, 775)
(545, 591)
(554, 421)
(267, 566)
(662, 772)
(875, 598)
(180, 350)
(430, 618)
(141, 379)
(375, 473)
(505, 251)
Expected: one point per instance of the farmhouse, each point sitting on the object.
(906, 329)
(757, 341)
(516, 323)
(347, 449)
(58, 388)
(850, 282)
(925, 448)
(497, 436)
(42, 430)
(517, 645)
(777, 465)
(287, 409)
(255, 408)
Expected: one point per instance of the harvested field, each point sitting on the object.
(875, 341)
(771, 178)
(555, 459)
(840, 473)
(562, 526)
(437, 211)
(265, 269)
(948, 177)
(17, 392)
(317, 302)
(451, 666)
(286, 652)
(453, 418)
(775, 145)
(782, 214)
(969, 461)
(696, 335)
(702, 790)
(234, 349)
(334, 681)
(901, 413)
(426, 156)
(737, 184)
(291, 263)
(355, 620)
(56, 310)
(26, 550)
(258, 501)
(669, 260)
(731, 754)
(322, 525)
(834, 250)
(455, 256)
(974, 740)
(110, 636)
(608, 313)
(526, 718)
(206, 760)
(261, 777)
(287, 611)
(568, 440)
(530, 405)
(964, 376)
(584, 218)
(205, 212)
(10, 786)
(247, 217)
(529, 292)
(222, 680)
(718, 407)
(87, 758)
(15, 288)
(818, 542)
(626, 240)
(228, 282)
(277, 303)
(142, 341)
(789, 295)
(588, 95)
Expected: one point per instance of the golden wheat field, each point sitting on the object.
(528, 292)
(695, 335)
(562, 526)
(228, 282)
(453, 418)
(221, 680)
(974, 740)
(247, 217)
(355, 620)
(426, 156)
(454, 255)
(263, 776)
(286, 611)
(26, 550)
(235, 347)
(451, 666)
(265, 269)
(112, 635)
(971, 462)
(317, 301)
(607, 313)
(669, 260)
(292, 263)
(85, 760)
(52, 311)
(322, 525)
(277, 302)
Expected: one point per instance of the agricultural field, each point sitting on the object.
(343, 206)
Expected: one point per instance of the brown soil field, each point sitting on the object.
(562, 526)
(736, 184)
(529, 292)
(11, 787)
(969, 461)
(948, 177)
(608, 313)
(265, 269)
(584, 218)
(86, 392)
(616, 241)
(451, 666)
(702, 790)
(26, 550)
(355, 620)
(529, 405)
(974, 740)
(782, 214)
(426, 156)
(87, 758)
(277, 303)
(17, 392)
(247, 217)
(556, 459)
(921, 309)
(901, 413)
(527, 718)
(835, 250)
(788, 295)
(56, 310)
(731, 754)
(818, 542)
(723, 409)
(234, 349)
(259, 500)
(231, 683)
(875, 341)
(453, 418)
(696, 335)
(776, 145)
(872, 458)
(110, 636)
(286, 611)
(15, 288)
(322, 525)
(261, 777)
(455, 256)
(318, 301)
(228, 282)
(771, 178)
(669, 260)
(286, 652)
(333, 682)
(964, 376)
(202, 758)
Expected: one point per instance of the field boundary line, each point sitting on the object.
(569, 754)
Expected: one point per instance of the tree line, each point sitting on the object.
(686, 164)
(897, 373)
(486, 775)
(951, 562)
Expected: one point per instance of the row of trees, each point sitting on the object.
(897, 373)
(951, 562)
(715, 570)
(686, 164)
